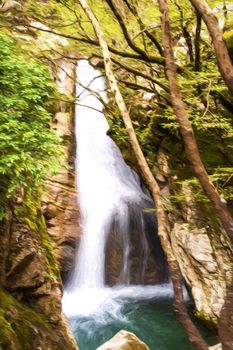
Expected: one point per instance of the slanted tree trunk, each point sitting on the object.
(222, 55)
(186, 130)
(163, 224)
(226, 321)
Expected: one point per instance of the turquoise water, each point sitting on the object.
(152, 321)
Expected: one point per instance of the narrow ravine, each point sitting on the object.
(111, 197)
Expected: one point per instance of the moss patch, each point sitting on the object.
(19, 324)
(21, 328)
(209, 322)
(228, 37)
(32, 215)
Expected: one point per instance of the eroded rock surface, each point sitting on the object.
(124, 340)
(199, 244)
(205, 267)
(145, 262)
(204, 256)
(30, 284)
(30, 287)
(60, 199)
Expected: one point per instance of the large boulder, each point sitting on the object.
(204, 256)
(124, 340)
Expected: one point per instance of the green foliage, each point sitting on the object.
(228, 37)
(207, 100)
(29, 149)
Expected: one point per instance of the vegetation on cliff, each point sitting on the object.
(30, 285)
(29, 149)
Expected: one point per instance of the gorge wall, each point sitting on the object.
(198, 240)
(200, 246)
(40, 241)
(30, 284)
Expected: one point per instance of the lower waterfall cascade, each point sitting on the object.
(109, 193)
(110, 196)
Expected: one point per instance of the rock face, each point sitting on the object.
(30, 284)
(30, 287)
(205, 267)
(204, 256)
(60, 199)
(201, 248)
(124, 340)
(146, 265)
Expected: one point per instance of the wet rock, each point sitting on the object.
(124, 340)
(136, 257)
(24, 328)
(216, 347)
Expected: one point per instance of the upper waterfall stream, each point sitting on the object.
(111, 198)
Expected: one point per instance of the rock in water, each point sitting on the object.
(124, 340)
(216, 347)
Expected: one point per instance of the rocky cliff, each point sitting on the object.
(30, 286)
(200, 246)
(30, 283)
(60, 201)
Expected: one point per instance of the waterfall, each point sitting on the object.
(111, 199)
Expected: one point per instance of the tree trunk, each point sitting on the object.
(226, 321)
(222, 55)
(163, 225)
(186, 130)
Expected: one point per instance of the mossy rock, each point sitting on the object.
(19, 324)
(33, 217)
(21, 328)
(228, 37)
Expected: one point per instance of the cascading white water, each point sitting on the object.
(108, 190)
(107, 187)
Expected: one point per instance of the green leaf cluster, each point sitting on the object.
(29, 149)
